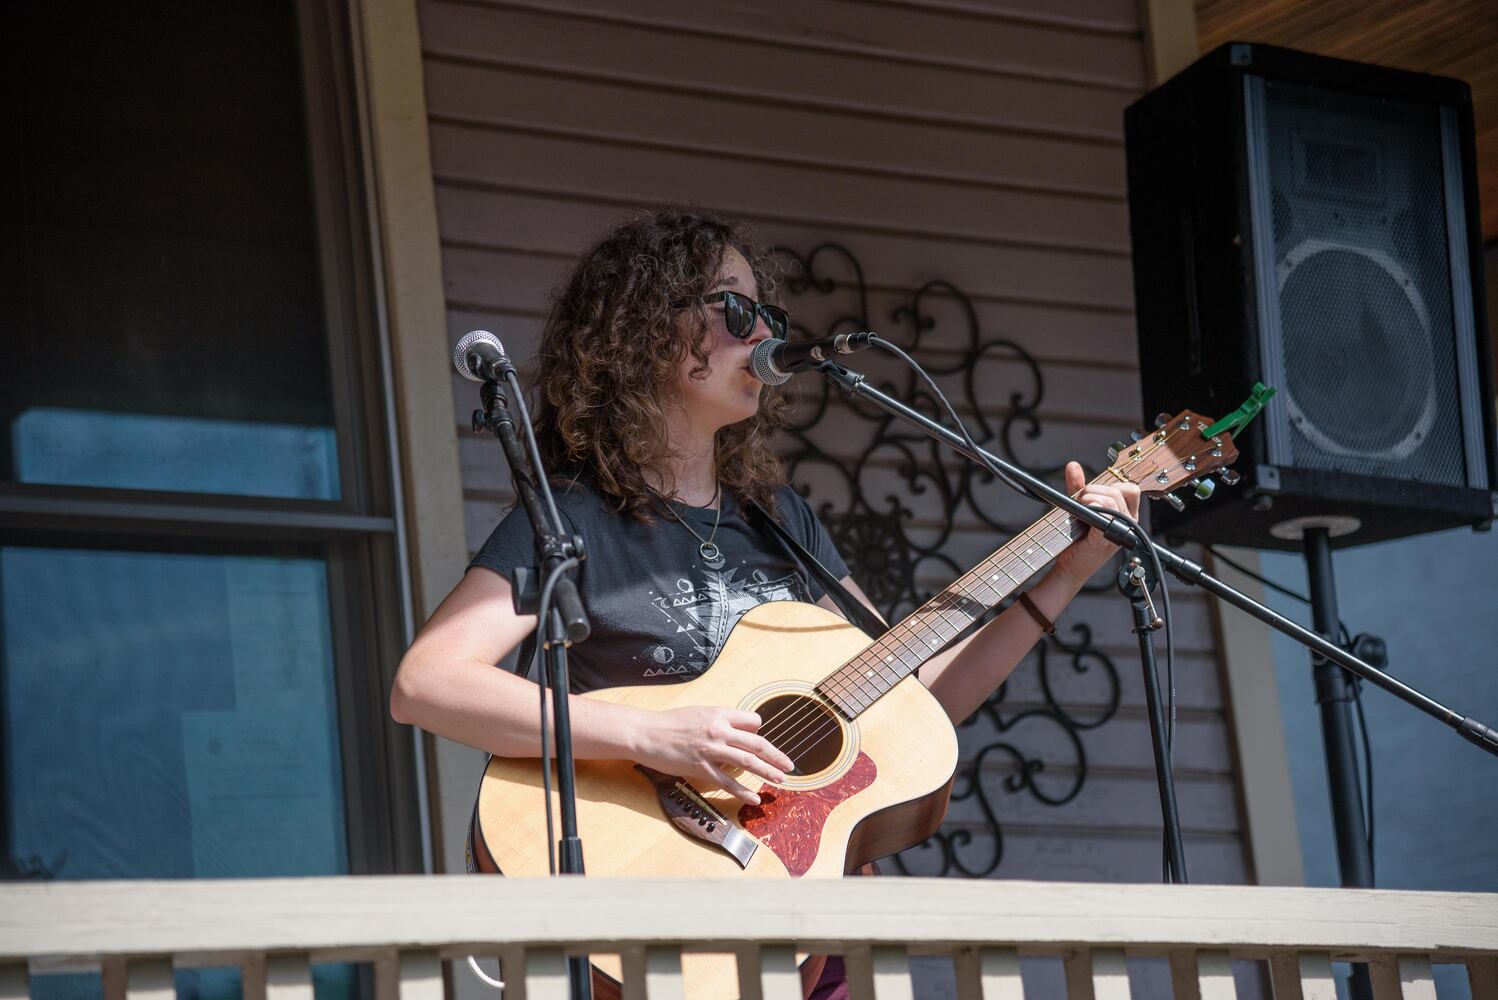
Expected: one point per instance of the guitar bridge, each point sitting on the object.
(695, 816)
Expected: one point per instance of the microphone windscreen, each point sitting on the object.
(762, 363)
(466, 345)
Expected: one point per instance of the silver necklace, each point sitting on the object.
(710, 553)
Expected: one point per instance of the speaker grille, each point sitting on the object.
(1364, 285)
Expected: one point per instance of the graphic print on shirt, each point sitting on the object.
(705, 612)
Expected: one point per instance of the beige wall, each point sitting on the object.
(978, 144)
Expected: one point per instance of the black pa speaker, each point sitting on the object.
(1312, 223)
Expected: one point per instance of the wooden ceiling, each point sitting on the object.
(1446, 37)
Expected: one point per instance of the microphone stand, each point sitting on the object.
(853, 383)
(566, 624)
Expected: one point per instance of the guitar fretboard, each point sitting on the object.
(861, 681)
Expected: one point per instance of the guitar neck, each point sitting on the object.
(860, 682)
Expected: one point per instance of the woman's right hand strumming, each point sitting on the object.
(704, 745)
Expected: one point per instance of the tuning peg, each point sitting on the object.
(1116, 449)
(1161, 419)
(1173, 500)
(1204, 488)
(1230, 477)
(1135, 435)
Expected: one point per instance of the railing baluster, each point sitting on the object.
(287, 977)
(1097, 974)
(1205, 975)
(1402, 976)
(252, 977)
(546, 974)
(858, 962)
(1482, 975)
(149, 979)
(420, 975)
(632, 971)
(891, 969)
(14, 983)
(663, 973)
(112, 971)
(747, 959)
(1304, 975)
(387, 976)
(512, 972)
(988, 974)
(779, 977)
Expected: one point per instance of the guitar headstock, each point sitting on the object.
(1175, 454)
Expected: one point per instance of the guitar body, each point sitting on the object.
(862, 789)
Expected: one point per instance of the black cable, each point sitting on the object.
(1357, 703)
(543, 680)
(533, 452)
(1345, 637)
(1139, 533)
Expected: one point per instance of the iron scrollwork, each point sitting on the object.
(872, 533)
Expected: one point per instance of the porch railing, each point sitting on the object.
(275, 929)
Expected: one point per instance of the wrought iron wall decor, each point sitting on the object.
(871, 533)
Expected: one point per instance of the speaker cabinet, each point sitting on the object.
(1312, 223)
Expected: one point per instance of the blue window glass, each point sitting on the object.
(71, 447)
(164, 312)
(169, 715)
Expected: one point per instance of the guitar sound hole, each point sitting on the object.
(804, 729)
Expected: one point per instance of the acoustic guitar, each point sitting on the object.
(875, 753)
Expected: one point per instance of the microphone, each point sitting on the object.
(480, 357)
(775, 361)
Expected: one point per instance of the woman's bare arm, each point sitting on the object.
(448, 684)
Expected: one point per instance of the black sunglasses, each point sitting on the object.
(739, 310)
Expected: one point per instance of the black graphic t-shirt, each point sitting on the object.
(660, 614)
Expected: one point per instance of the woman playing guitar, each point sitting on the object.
(660, 441)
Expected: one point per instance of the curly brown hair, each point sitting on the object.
(611, 349)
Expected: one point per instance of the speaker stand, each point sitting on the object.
(1334, 695)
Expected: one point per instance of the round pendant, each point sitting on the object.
(710, 555)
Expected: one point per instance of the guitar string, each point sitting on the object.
(812, 709)
(805, 713)
(901, 634)
(911, 632)
(1030, 533)
(810, 713)
(817, 714)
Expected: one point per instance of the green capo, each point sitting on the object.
(1239, 418)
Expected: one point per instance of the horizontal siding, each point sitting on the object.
(901, 35)
(550, 42)
(609, 111)
(974, 142)
(571, 168)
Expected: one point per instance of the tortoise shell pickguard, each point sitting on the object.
(790, 822)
